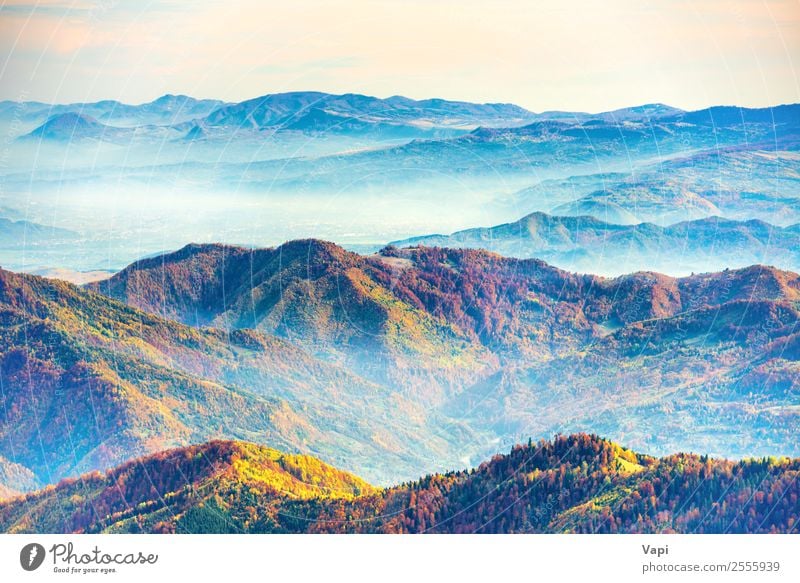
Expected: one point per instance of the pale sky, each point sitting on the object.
(551, 54)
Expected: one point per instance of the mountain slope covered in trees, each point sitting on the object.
(579, 483)
(100, 383)
(708, 361)
(391, 365)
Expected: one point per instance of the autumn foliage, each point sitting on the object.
(578, 483)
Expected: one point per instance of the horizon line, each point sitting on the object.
(224, 103)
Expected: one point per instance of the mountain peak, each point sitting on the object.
(280, 109)
(69, 122)
(314, 247)
(170, 97)
(73, 126)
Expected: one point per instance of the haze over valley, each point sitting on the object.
(400, 268)
(93, 187)
(389, 288)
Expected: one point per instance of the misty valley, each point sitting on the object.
(308, 312)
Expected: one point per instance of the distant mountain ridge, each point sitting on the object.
(278, 109)
(271, 109)
(666, 166)
(165, 110)
(75, 126)
(587, 244)
(21, 232)
(304, 111)
(300, 111)
(577, 484)
(486, 155)
(638, 112)
(738, 182)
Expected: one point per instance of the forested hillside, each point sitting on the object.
(577, 483)
(101, 383)
(516, 347)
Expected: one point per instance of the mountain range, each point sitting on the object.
(587, 244)
(669, 168)
(362, 171)
(166, 110)
(299, 110)
(182, 116)
(648, 294)
(307, 110)
(739, 183)
(504, 154)
(513, 347)
(316, 111)
(394, 364)
(578, 484)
